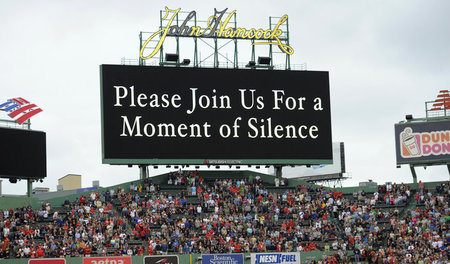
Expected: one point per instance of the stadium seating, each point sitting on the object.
(190, 213)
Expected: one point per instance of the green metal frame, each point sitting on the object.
(436, 114)
(215, 45)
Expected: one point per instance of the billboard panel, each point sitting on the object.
(23, 154)
(175, 115)
(278, 258)
(423, 143)
(223, 259)
(107, 260)
(47, 261)
(168, 259)
(336, 169)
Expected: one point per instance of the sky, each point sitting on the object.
(384, 58)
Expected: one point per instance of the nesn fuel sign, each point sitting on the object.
(278, 258)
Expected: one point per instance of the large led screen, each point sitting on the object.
(23, 154)
(178, 115)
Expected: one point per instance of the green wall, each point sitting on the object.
(183, 258)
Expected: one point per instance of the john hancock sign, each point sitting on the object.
(215, 27)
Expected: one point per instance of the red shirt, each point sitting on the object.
(278, 247)
(237, 248)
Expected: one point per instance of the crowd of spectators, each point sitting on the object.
(236, 216)
(88, 225)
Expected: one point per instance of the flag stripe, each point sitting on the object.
(21, 110)
(18, 101)
(24, 100)
(28, 115)
(5, 104)
(11, 107)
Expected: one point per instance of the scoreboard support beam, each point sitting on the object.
(29, 187)
(278, 171)
(143, 172)
(413, 172)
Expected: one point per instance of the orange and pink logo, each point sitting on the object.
(422, 144)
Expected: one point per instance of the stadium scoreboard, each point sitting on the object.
(180, 115)
(23, 155)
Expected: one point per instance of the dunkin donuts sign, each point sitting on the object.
(425, 142)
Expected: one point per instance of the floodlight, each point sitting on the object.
(251, 64)
(264, 60)
(172, 57)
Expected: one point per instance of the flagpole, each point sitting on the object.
(29, 181)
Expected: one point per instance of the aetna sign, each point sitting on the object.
(174, 115)
(107, 260)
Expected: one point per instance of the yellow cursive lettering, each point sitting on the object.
(222, 26)
(163, 36)
(212, 24)
(275, 35)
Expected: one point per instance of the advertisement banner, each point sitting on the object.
(278, 258)
(169, 259)
(107, 260)
(223, 259)
(423, 143)
(228, 116)
(47, 261)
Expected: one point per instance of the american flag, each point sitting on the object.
(20, 109)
